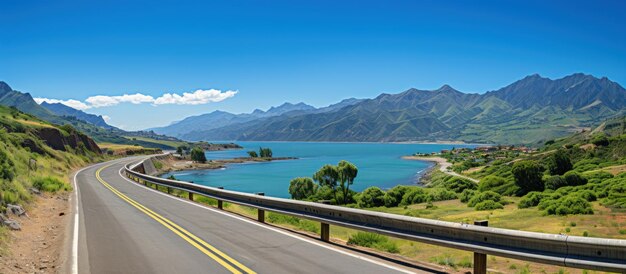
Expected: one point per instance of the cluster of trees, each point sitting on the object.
(328, 183)
(196, 153)
(402, 196)
(562, 182)
(565, 181)
(183, 150)
(263, 153)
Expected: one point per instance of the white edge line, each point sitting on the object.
(76, 223)
(74, 267)
(270, 228)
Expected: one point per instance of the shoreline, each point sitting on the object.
(172, 164)
(442, 163)
(436, 142)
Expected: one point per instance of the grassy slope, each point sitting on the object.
(52, 163)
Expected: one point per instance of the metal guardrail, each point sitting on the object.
(555, 249)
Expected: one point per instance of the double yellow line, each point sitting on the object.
(227, 262)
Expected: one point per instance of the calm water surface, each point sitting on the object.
(379, 164)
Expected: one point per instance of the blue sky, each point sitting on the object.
(318, 52)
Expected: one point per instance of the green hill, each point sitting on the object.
(33, 151)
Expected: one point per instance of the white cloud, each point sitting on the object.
(70, 103)
(106, 118)
(197, 97)
(106, 101)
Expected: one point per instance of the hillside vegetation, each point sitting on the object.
(36, 153)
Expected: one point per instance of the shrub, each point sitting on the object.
(600, 175)
(371, 197)
(555, 182)
(458, 184)
(372, 240)
(588, 195)
(7, 168)
(574, 179)
(302, 188)
(393, 197)
(323, 193)
(484, 196)
(440, 194)
(466, 195)
(531, 199)
(491, 182)
(616, 194)
(600, 140)
(414, 196)
(527, 176)
(488, 205)
(559, 163)
(50, 184)
(566, 205)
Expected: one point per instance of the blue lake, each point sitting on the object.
(380, 164)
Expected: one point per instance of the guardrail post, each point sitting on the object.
(169, 190)
(261, 212)
(190, 196)
(480, 260)
(325, 232)
(220, 204)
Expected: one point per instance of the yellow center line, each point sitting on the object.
(186, 235)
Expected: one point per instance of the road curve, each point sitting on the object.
(124, 227)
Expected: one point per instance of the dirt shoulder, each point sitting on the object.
(36, 248)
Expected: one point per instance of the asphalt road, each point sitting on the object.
(124, 227)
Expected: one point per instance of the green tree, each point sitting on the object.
(559, 163)
(328, 176)
(371, 197)
(197, 155)
(253, 154)
(527, 176)
(265, 152)
(347, 173)
(302, 188)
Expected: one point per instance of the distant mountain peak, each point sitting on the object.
(446, 88)
(4, 86)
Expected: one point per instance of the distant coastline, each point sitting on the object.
(441, 142)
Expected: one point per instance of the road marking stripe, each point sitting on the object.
(186, 235)
(231, 260)
(277, 230)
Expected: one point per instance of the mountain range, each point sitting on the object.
(530, 110)
(217, 119)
